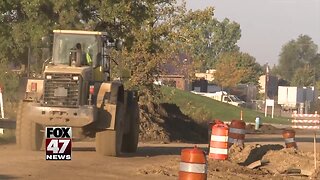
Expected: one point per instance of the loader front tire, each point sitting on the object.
(28, 133)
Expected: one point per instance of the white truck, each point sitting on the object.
(290, 97)
(223, 97)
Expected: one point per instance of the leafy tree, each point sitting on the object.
(24, 22)
(236, 67)
(295, 54)
(304, 76)
(228, 72)
(9, 83)
(253, 69)
(153, 31)
(200, 36)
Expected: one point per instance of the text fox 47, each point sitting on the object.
(58, 143)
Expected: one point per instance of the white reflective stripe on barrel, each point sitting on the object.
(218, 151)
(237, 131)
(193, 167)
(219, 138)
(289, 140)
(231, 140)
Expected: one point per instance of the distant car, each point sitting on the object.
(223, 97)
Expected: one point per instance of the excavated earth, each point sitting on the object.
(279, 159)
(166, 123)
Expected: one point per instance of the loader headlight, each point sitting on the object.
(76, 78)
(48, 77)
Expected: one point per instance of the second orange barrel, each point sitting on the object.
(219, 142)
(237, 132)
(289, 138)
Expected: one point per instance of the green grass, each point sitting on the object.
(203, 109)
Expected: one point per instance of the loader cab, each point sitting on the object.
(73, 46)
(83, 49)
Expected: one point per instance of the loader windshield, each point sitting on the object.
(64, 44)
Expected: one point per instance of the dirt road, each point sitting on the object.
(152, 161)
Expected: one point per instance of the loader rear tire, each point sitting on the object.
(28, 133)
(131, 139)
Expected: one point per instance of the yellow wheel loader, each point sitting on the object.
(76, 90)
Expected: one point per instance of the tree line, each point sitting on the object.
(154, 33)
(299, 62)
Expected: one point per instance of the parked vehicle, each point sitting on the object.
(223, 97)
(290, 97)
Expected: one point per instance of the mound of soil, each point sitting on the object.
(250, 153)
(166, 123)
(216, 170)
(287, 158)
(280, 159)
(265, 129)
(151, 128)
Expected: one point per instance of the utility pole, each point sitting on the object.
(29, 59)
(266, 83)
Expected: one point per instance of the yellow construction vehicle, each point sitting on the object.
(76, 90)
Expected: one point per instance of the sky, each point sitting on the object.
(266, 25)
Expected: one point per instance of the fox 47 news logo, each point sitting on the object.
(58, 143)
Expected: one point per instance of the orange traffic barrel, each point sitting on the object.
(210, 125)
(237, 132)
(219, 142)
(193, 164)
(289, 138)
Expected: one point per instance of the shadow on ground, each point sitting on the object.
(145, 151)
(150, 151)
(270, 139)
(257, 153)
(2, 176)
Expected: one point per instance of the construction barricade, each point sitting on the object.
(310, 122)
(219, 142)
(193, 165)
(237, 132)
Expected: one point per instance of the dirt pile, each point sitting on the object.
(280, 160)
(224, 170)
(166, 123)
(151, 127)
(250, 153)
(264, 129)
(290, 158)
